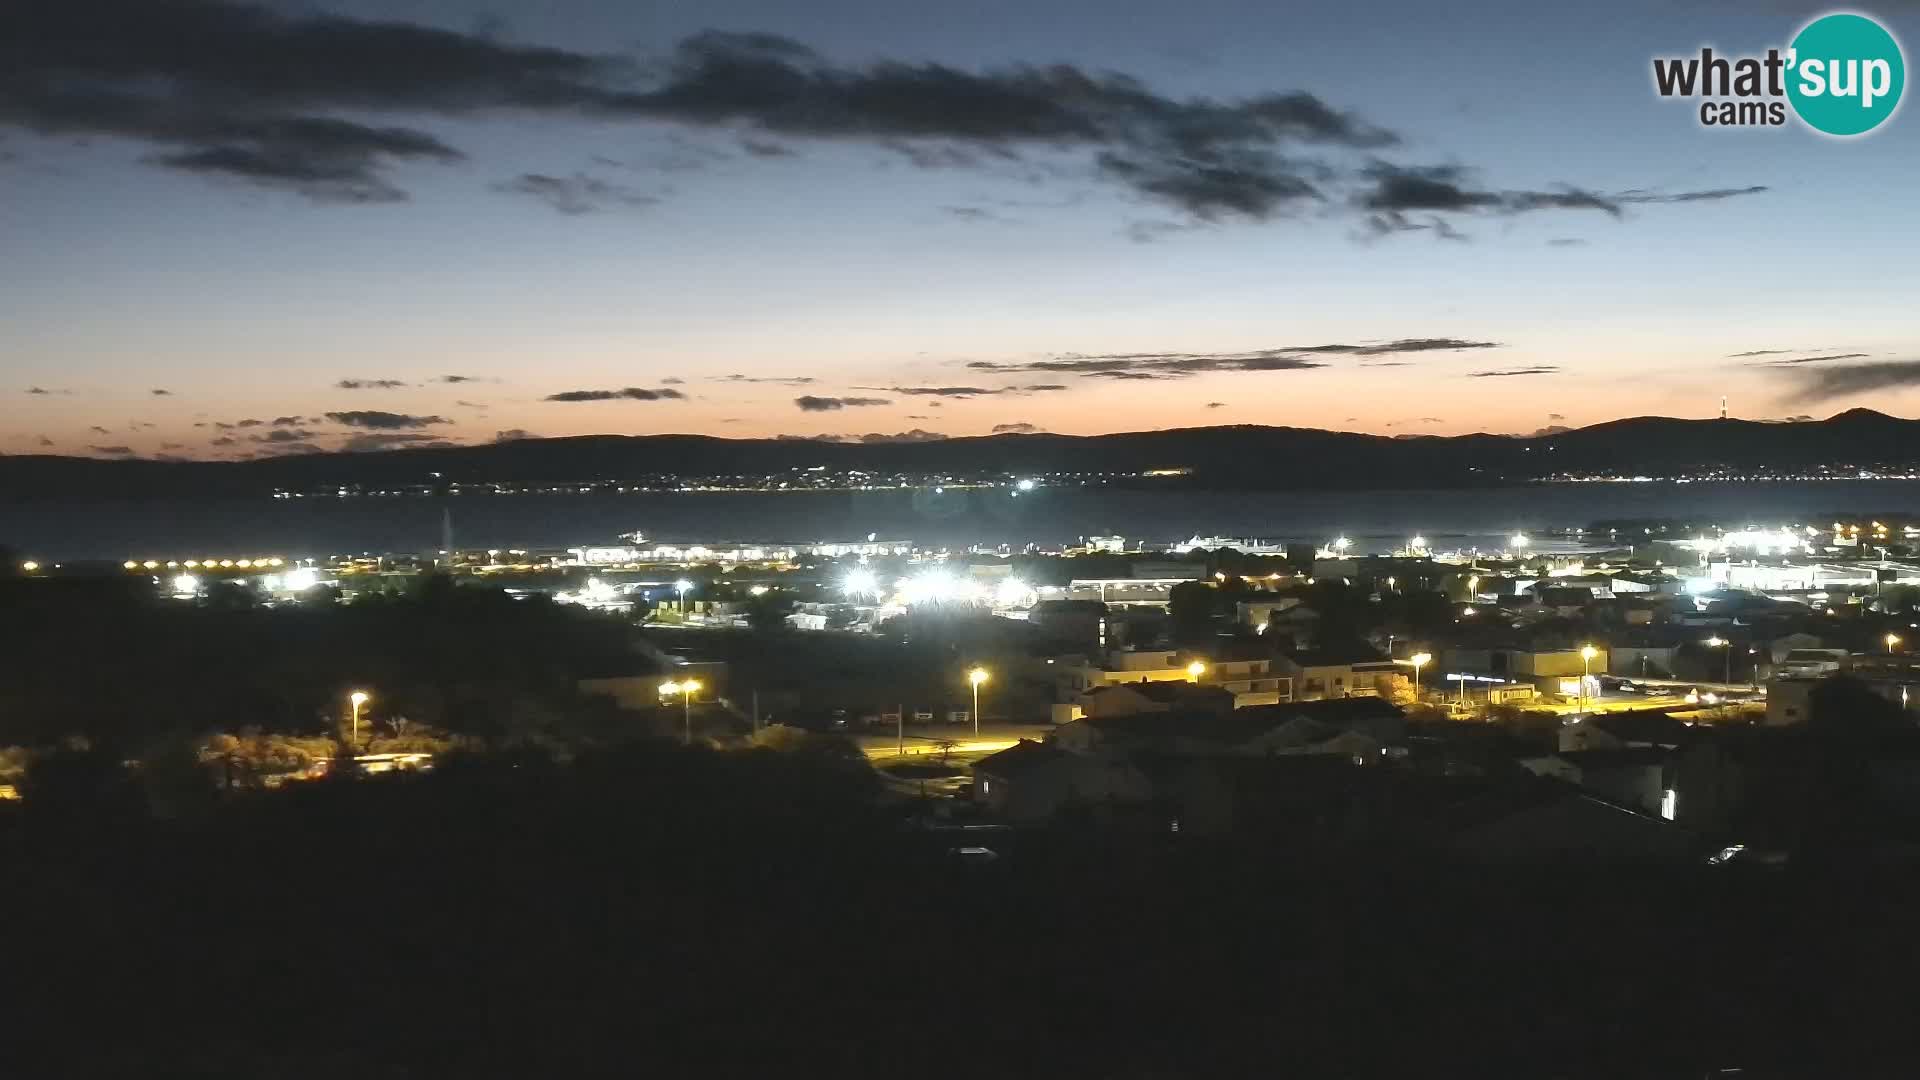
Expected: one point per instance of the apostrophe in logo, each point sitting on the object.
(1842, 75)
(1845, 74)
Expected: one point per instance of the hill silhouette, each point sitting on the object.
(1237, 457)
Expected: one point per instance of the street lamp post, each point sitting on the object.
(1892, 640)
(1419, 660)
(1195, 670)
(357, 698)
(975, 678)
(682, 587)
(1718, 642)
(1587, 653)
(686, 688)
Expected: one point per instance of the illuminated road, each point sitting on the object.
(925, 740)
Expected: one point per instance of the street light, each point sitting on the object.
(686, 688)
(1418, 660)
(683, 586)
(1195, 670)
(975, 678)
(358, 698)
(1892, 640)
(1718, 642)
(1587, 653)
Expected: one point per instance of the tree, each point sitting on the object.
(1190, 605)
(767, 613)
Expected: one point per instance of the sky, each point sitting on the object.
(230, 230)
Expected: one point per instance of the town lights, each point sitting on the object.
(757, 590)
(1718, 642)
(358, 698)
(1519, 542)
(860, 582)
(1892, 640)
(1013, 593)
(686, 688)
(1587, 653)
(186, 585)
(1418, 660)
(975, 678)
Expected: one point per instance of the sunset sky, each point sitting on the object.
(228, 230)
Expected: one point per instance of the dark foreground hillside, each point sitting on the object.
(655, 911)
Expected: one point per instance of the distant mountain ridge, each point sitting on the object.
(1241, 457)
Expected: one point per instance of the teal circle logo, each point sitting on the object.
(1845, 73)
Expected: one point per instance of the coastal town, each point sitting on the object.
(1617, 690)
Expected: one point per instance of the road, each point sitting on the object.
(928, 739)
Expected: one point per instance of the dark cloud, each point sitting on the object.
(1709, 195)
(1383, 223)
(173, 446)
(1509, 372)
(160, 393)
(1550, 429)
(283, 435)
(1766, 352)
(1393, 190)
(457, 379)
(915, 435)
(471, 404)
(782, 380)
(246, 92)
(1021, 428)
(1555, 417)
(631, 393)
(1823, 383)
(44, 441)
(364, 441)
(287, 450)
(288, 421)
(673, 380)
(1566, 241)
(112, 451)
(98, 430)
(936, 391)
(513, 435)
(1796, 361)
(259, 93)
(810, 403)
(41, 391)
(250, 423)
(1144, 366)
(376, 420)
(370, 384)
(222, 440)
(576, 194)
(1040, 388)
(1216, 404)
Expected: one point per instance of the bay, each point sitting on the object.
(1376, 521)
